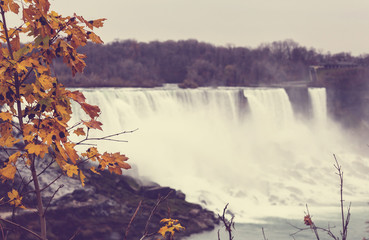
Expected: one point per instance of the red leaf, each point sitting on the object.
(93, 124)
(92, 110)
(77, 96)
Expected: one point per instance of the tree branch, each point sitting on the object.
(228, 224)
(132, 218)
(21, 227)
(153, 210)
(48, 204)
(346, 221)
(6, 33)
(108, 137)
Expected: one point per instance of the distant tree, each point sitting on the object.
(169, 62)
(202, 73)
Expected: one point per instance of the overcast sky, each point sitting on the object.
(327, 25)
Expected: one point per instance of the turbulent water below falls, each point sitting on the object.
(242, 146)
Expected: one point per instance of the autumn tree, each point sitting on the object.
(36, 109)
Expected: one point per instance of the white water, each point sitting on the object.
(318, 100)
(238, 146)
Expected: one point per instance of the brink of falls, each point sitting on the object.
(243, 146)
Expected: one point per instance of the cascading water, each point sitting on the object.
(318, 100)
(241, 146)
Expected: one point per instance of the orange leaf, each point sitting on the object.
(91, 153)
(93, 124)
(15, 41)
(79, 132)
(92, 110)
(14, 7)
(307, 220)
(98, 22)
(94, 38)
(77, 96)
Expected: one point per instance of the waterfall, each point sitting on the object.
(272, 105)
(241, 146)
(318, 100)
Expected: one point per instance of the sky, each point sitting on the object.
(327, 25)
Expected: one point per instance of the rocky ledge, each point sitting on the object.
(104, 207)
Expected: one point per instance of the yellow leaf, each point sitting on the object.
(163, 230)
(37, 149)
(94, 170)
(62, 111)
(14, 157)
(171, 225)
(71, 169)
(82, 177)
(69, 148)
(61, 150)
(6, 116)
(23, 51)
(9, 141)
(91, 152)
(15, 199)
(8, 172)
(21, 67)
(46, 81)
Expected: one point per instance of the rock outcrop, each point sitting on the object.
(105, 206)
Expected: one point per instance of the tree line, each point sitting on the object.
(190, 63)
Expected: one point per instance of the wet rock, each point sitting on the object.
(180, 195)
(156, 192)
(104, 207)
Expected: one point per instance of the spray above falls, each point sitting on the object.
(243, 146)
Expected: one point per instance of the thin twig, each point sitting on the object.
(52, 182)
(329, 232)
(132, 218)
(75, 234)
(75, 125)
(346, 221)
(262, 229)
(228, 224)
(2, 231)
(39, 175)
(312, 226)
(21, 227)
(46, 168)
(153, 210)
(107, 138)
(48, 204)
